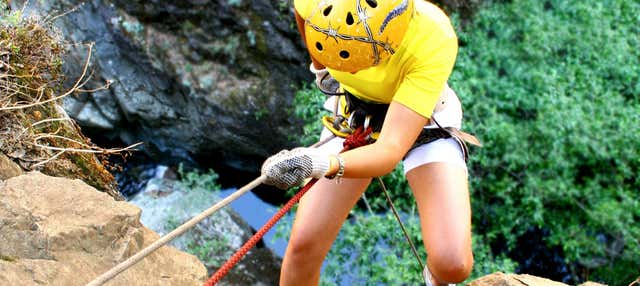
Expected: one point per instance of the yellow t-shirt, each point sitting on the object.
(416, 74)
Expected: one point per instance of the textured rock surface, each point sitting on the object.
(56, 231)
(8, 168)
(191, 79)
(166, 204)
(502, 279)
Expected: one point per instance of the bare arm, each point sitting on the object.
(400, 129)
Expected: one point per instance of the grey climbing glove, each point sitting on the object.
(325, 82)
(290, 168)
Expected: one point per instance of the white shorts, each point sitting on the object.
(441, 150)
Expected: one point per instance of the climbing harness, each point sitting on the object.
(355, 112)
(358, 112)
(429, 135)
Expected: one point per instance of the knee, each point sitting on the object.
(451, 268)
(303, 248)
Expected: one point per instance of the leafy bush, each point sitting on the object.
(211, 239)
(553, 90)
(308, 107)
(375, 252)
(194, 180)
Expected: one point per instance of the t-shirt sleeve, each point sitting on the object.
(426, 79)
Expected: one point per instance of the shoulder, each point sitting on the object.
(431, 19)
(430, 34)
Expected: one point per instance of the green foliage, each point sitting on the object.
(398, 189)
(193, 180)
(485, 261)
(209, 250)
(553, 90)
(371, 250)
(308, 107)
(212, 248)
(9, 18)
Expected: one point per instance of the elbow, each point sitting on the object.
(391, 155)
(379, 170)
(387, 168)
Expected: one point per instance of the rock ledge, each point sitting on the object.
(56, 231)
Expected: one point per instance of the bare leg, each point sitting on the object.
(442, 195)
(319, 217)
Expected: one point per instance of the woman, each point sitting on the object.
(397, 54)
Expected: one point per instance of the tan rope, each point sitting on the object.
(175, 233)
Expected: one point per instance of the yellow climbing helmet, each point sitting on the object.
(351, 35)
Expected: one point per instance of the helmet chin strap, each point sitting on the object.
(331, 85)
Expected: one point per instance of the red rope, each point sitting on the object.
(240, 253)
(357, 139)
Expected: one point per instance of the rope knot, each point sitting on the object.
(358, 138)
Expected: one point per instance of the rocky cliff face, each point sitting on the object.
(191, 79)
(502, 279)
(56, 231)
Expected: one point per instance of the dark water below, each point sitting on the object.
(257, 212)
(535, 258)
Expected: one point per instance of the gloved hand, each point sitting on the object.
(290, 168)
(325, 82)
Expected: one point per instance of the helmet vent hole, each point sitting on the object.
(350, 20)
(319, 46)
(327, 10)
(372, 3)
(344, 54)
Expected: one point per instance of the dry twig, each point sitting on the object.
(76, 86)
